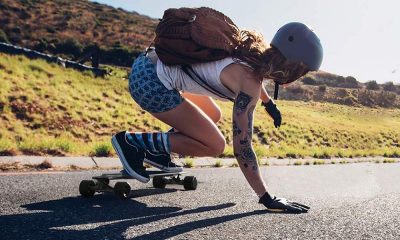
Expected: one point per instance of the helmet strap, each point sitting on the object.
(276, 91)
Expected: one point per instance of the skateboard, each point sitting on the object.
(87, 188)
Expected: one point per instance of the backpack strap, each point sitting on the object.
(193, 75)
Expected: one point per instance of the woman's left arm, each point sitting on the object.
(264, 95)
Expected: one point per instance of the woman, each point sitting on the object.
(294, 50)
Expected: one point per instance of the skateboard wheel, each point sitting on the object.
(159, 182)
(190, 183)
(122, 189)
(86, 188)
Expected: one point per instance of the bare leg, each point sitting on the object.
(197, 136)
(206, 104)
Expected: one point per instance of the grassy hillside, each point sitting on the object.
(47, 109)
(26, 22)
(360, 96)
(71, 28)
(75, 27)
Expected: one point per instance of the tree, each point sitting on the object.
(351, 82)
(389, 86)
(70, 47)
(372, 85)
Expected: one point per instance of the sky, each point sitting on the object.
(361, 38)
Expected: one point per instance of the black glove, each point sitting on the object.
(276, 204)
(273, 111)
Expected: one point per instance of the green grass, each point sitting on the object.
(47, 109)
(188, 163)
(318, 162)
(388, 161)
(102, 149)
(218, 163)
(298, 163)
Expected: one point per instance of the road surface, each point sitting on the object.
(349, 201)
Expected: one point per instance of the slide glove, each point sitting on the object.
(275, 204)
(273, 111)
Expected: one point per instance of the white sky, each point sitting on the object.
(361, 38)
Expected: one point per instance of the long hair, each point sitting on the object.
(266, 61)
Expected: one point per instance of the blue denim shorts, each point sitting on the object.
(148, 91)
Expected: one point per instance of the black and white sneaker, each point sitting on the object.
(163, 162)
(131, 157)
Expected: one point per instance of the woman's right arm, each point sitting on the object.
(245, 103)
(243, 109)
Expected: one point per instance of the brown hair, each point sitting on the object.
(266, 61)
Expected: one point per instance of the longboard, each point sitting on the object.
(88, 188)
(123, 175)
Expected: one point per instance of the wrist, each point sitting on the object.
(265, 101)
(268, 104)
(266, 198)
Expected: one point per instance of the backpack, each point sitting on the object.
(186, 36)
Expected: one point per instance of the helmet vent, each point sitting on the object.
(291, 38)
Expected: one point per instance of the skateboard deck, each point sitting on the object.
(123, 175)
(88, 188)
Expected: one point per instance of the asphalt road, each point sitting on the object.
(350, 201)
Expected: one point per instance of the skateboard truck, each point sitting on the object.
(87, 188)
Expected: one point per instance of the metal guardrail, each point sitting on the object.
(32, 54)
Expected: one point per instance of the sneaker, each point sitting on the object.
(163, 162)
(131, 157)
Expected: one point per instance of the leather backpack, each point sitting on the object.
(186, 36)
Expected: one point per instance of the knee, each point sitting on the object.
(216, 115)
(218, 146)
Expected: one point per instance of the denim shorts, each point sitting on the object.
(148, 91)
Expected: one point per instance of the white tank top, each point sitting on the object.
(173, 77)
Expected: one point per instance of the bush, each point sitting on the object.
(102, 150)
(118, 55)
(366, 98)
(342, 93)
(3, 37)
(42, 45)
(350, 100)
(69, 47)
(296, 90)
(350, 82)
(188, 163)
(218, 163)
(389, 86)
(372, 85)
(340, 81)
(322, 88)
(44, 165)
(309, 81)
(386, 99)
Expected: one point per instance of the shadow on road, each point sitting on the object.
(101, 217)
(190, 226)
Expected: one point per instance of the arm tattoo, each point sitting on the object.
(245, 152)
(250, 123)
(247, 156)
(241, 102)
(236, 129)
